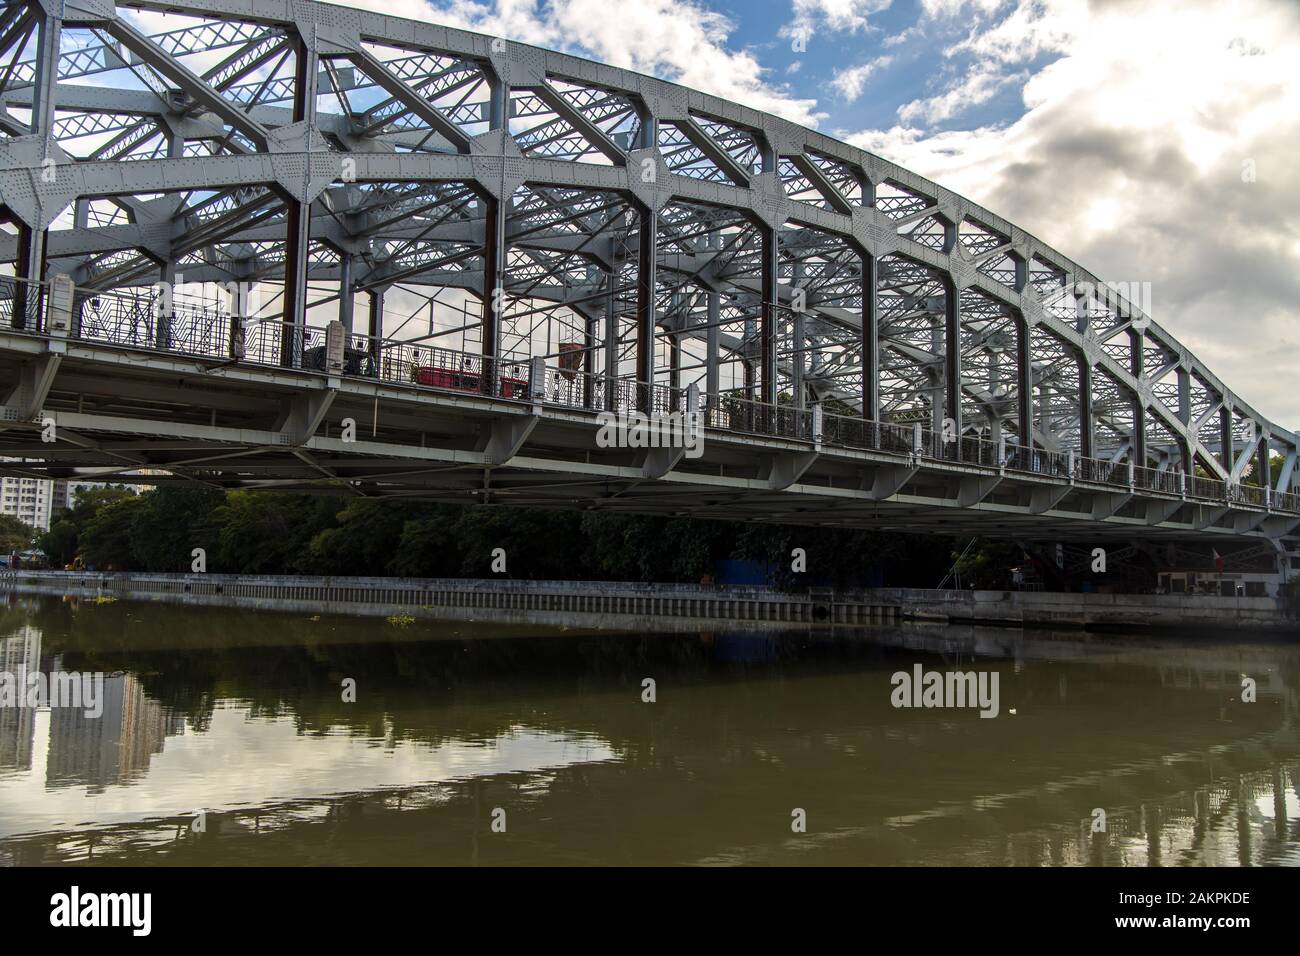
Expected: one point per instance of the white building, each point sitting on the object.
(30, 500)
(34, 501)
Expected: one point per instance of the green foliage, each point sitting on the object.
(538, 544)
(15, 534)
(60, 543)
(171, 522)
(645, 548)
(264, 532)
(106, 541)
(363, 539)
(989, 565)
(279, 533)
(835, 406)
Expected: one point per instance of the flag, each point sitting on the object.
(1218, 560)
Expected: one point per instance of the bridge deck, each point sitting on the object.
(526, 434)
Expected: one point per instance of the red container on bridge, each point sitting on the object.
(458, 380)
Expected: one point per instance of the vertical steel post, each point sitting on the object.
(647, 261)
(1137, 366)
(347, 302)
(493, 292)
(769, 319)
(952, 354)
(30, 267)
(870, 338)
(298, 229)
(611, 337)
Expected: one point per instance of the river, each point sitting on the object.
(237, 737)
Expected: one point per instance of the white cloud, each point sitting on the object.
(677, 40)
(979, 86)
(948, 9)
(1129, 160)
(1029, 30)
(852, 81)
(837, 16)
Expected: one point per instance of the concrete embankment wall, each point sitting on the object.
(1048, 609)
(645, 606)
(560, 602)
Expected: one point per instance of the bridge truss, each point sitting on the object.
(221, 178)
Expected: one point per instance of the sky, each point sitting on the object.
(1146, 145)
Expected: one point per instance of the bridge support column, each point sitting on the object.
(647, 261)
(1185, 448)
(298, 229)
(769, 319)
(611, 337)
(1024, 362)
(239, 313)
(1137, 366)
(493, 289)
(952, 354)
(798, 354)
(1263, 467)
(166, 308)
(870, 338)
(346, 302)
(675, 351)
(29, 269)
(376, 326)
(712, 346)
(1024, 383)
(590, 347)
(1227, 451)
(1087, 425)
(1082, 324)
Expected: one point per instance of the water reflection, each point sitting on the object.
(241, 715)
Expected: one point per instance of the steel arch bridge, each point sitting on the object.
(195, 193)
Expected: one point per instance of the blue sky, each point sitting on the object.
(810, 74)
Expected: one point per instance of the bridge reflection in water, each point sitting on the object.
(453, 720)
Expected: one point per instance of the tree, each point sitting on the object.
(364, 539)
(538, 544)
(61, 542)
(268, 533)
(171, 521)
(106, 542)
(15, 534)
(989, 565)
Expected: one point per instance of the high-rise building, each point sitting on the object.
(20, 654)
(116, 746)
(27, 499)
(35, 501)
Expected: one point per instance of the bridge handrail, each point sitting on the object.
(204, 328)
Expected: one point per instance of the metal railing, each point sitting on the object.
(139, 319)
(733, 413)
(1153, 479)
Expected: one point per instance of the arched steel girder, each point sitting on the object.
(427, 104)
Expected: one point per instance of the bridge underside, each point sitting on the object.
(241, 426)
(512, 240)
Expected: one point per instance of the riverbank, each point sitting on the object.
(659, 606)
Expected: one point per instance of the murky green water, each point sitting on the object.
(457, 727)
